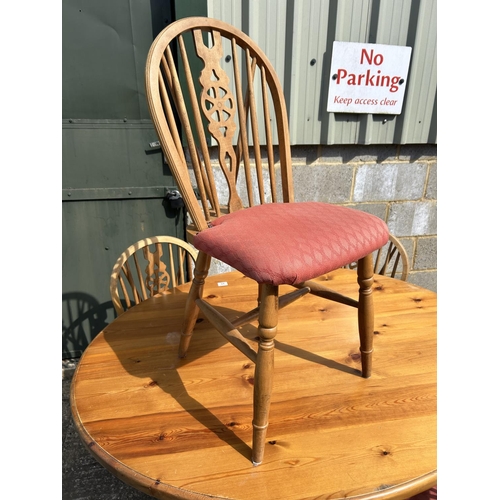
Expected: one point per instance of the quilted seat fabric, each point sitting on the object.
(288, 243)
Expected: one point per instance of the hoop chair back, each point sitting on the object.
(390, 260)
(241, 111)
(164, 263)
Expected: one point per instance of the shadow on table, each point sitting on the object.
(161, 363)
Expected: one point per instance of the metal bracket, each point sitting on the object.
(118, 193)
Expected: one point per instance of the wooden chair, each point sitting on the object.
(390, 260)
(165, 263)
(207, 83)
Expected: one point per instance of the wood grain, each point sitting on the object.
(182, 428)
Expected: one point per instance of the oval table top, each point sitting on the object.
(181, 428)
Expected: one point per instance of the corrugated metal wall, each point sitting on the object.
(293, 33)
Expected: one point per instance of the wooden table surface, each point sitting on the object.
(181, 428)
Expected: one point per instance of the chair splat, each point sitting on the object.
(218, 106)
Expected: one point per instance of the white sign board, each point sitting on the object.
(368, 78)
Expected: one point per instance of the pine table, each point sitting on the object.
(181, 428)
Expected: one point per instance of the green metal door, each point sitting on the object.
(114, 179)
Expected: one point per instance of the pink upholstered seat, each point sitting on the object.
(288, 243)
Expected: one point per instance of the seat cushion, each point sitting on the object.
(287, 243)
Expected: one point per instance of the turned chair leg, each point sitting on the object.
(191, 310)
(264, 368)
(365, 313)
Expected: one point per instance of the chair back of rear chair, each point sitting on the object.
(164, 263)
(390, 260)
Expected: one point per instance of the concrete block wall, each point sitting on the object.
(396, 183)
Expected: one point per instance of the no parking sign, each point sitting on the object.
(368, 78)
